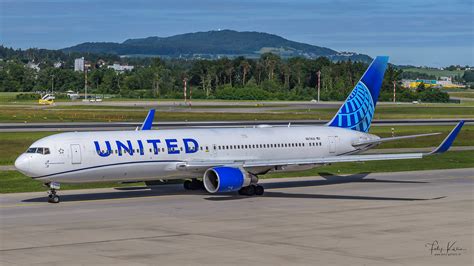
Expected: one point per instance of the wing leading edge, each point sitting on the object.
(381, 140)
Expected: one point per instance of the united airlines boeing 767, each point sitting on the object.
(219, 159)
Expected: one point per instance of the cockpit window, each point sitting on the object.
(40, 150)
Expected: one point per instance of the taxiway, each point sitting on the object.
(363, 219)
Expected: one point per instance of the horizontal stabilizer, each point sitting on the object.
(148, 120)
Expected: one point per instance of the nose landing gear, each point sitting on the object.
(53, 188)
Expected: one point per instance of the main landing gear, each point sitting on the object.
(53, 188)
(252, 190)
(193, 184)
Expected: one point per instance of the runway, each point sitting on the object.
(89, 126)
(364, 219)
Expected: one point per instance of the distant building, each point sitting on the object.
(121, 68)
(445, 81)
(58, 64)
(79, 64)
(442, 82)
(33, 66)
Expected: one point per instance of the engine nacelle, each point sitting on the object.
(226, 179)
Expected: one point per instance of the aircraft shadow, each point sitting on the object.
(318, 196)
(177, 189)
(330, 179)
(123, 193)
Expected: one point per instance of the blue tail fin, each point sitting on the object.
(358, 110)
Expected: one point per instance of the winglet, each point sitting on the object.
(148, 120)
(448, 141)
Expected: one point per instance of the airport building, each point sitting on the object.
(442, 82)
(121, 68)
(79, 64)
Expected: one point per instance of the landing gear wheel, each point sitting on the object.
(243, 191)
(187, 184)
(52, 196)
(193, 184)
(259, 190)
(250, 190)
(196, 184)
(53, 199)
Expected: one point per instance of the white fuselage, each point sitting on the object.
(79, 157)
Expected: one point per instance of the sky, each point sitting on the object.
(412, 32)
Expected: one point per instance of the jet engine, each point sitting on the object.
(226, 179)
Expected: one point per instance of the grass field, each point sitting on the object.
(404, 111)
(12, 181)
(114, 114)
(462, 94)
(13, 144)
(436, 72)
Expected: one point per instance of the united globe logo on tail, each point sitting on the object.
(358, 110)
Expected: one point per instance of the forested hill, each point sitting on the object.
(212, 44)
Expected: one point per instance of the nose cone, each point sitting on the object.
(22, 164)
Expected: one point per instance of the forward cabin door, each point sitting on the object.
(76, 154)
(332, 144)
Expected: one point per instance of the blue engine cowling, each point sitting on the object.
(225, 179)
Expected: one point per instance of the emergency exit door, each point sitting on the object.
(75, 154)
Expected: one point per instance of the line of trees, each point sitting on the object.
(266, 78)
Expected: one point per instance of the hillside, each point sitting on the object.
(213, 44)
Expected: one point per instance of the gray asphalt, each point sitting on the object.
(88, 126)
(364, 219)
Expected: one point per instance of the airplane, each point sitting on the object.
(217, 159)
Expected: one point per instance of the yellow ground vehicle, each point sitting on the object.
(46, 99)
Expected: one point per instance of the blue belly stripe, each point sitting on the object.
(107, 165)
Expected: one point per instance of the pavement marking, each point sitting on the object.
(95, 242)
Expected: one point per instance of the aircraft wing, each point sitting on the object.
(248, 164)
(381, 140)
